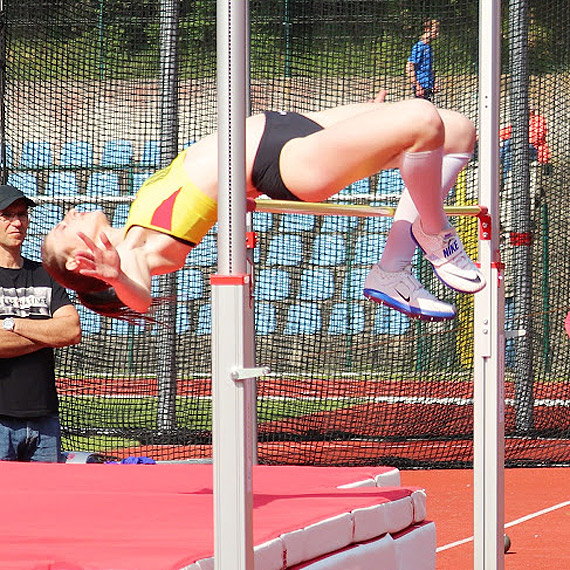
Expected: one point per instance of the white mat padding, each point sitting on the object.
(379, 554)
(412, 550)
(362, 525)
(374, 521)
(387, 478)
(419, 500)
(415, 549)
(318, 539)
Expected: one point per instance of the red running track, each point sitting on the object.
(536, 500)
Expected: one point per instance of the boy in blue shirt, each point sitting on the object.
(419, 66)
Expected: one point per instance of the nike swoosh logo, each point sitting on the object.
(406, 298)
(476, 280)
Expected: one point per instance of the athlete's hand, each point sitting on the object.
(380, 96)
(102, 262)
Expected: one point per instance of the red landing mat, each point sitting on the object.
(160, 517)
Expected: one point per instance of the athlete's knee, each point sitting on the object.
(460, 133)
(425, 124)
(466, 135)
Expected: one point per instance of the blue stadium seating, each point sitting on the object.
(390, 183)
(285, 249)
(190, 284)
(44, 217)
(103, 184)
(183, 321)
(346, 319)
(369, 248)
(378, 225)
(256, 255)
(265, 318)
(25, 182)
(297, 223)
(36, 154)
(87, 207)
(389, 321)
(316, 285)
(124, 328)
(151, 154)
(271, 285)
(137, 181)
(303, 318)
(360, 187)
(353, 284)
(117, 153)
(262, 221)
(90, 321)
(62, 183)
(32, 247)
(204, 320)
(120, 215)
(205, 253)
(328, 250)
(78, 154)
(339, 224)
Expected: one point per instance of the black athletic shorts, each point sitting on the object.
(280, 127)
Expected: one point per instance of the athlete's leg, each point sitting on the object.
(408, 134)
(391, 280)
(392, 276)
(444, 250)
(400, 247)
(458, 147)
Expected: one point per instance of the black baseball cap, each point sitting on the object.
(9, 194)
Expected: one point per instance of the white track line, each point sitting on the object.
(508, 525)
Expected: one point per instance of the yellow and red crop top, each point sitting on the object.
(169, 202)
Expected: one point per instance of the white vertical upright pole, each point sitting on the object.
(489, 313)
(231, 307)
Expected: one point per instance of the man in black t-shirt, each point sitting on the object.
(36, 315)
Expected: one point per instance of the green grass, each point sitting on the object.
(100, 413)
(191, 413)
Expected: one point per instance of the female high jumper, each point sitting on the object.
(289, 156)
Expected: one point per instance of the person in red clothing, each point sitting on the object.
(537, 131)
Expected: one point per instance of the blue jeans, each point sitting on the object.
(30, 439)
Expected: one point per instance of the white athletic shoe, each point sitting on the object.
(450, 262)
(403, 292)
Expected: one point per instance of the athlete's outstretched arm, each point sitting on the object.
(129, 275)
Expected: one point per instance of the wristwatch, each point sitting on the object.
(9, 324)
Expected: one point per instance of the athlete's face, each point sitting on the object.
(64, 238)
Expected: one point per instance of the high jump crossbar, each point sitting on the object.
(357, 210)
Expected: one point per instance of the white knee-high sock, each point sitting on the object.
(400, 247)
(421, 173)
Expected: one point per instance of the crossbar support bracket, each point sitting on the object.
(247, 373)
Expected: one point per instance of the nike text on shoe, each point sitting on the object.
(402, 291)
(450, 262)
